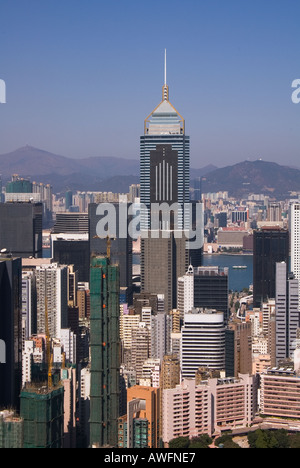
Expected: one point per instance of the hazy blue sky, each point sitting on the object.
(82, 76)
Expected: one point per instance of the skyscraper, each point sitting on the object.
(10, 330)
(121, 246)
(294, 227)
(105, 352)
(164, 173)
(287, 312)
(270, 245)
(21, 229)
(52, 283)
(203, 341)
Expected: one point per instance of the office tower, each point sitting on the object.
(222, 219)
(52, 284)
(21, 229)
(275, 212)
(203, 341)
(73, 249)
(11, 430)
(10, 330)
(69, 199)
(270, 245)
(294, 228)
(238, 349)
(141, 300)
(71, 223)
(121, 243)
(163, 261)
(143, 411)
(238, 217)
(42, 410)
(204, 287)
(287, 312)
(164, 173)
(105, 352)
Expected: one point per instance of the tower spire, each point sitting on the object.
(165, 86)
(165, 67)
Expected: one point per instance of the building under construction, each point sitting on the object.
(105, 352)
(42, 409)
(11, 430)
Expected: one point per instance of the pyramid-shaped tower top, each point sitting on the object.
(164, 120)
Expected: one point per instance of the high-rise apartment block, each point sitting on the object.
(192, 409)
(280, 393)
(294, 228)
(52, 291)
(238, 349)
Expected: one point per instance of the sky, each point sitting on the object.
(81, 76)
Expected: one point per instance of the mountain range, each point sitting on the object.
(117, 174)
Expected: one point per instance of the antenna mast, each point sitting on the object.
(165, 86)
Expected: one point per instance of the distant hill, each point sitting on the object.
(117, 174)
(253, 177)
(93, 173)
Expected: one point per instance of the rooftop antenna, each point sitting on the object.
(165, 87)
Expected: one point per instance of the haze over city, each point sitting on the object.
(81, 77)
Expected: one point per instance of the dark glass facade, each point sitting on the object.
(270, 245)
(121, 246)
(11, 330)
(21, 229)
(77, 253)
(211, 289)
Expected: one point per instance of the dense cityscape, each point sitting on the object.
(164, 317)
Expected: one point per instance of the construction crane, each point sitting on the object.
(48, 347)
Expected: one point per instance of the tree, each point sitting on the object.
(203, 441)
(261, 441)
(179, 442)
